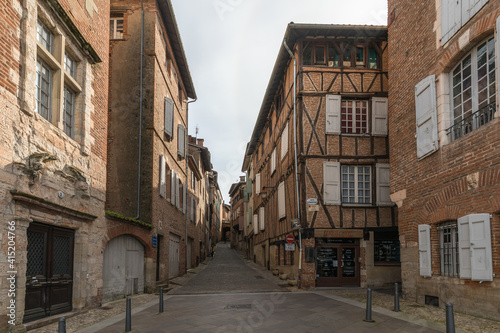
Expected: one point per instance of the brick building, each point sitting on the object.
(338, 195)
(53, 97)
(445, 167)
(237, 214)
(150, 84)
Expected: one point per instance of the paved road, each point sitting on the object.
(228, 296)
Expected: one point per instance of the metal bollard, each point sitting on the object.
(396, 297)
(369, 307)
(128, 316)
(450, 321)
(161, 300)
(62, 325)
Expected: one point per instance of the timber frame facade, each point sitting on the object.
(347, 223)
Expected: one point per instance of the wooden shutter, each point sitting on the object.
(451, 18)
(173, 181)
(332, 114)
(261, 218)
(257, 183)
(281, 200)
(163, 179)
(379, 115)
(169, 117)
(255, 224)
(470, 8)
(184, 198)
(383, 185)
(177, 194)
(464, 247)
(426, 114)
(331, 183)
(424, 249)
(273, 161)
(284, 141)
(480, 245)
(181, 140)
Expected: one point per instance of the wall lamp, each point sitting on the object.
(263, 192)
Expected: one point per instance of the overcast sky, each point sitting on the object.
(231, 47)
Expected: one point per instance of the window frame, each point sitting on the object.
(365, 126)
(39, 90)
(356, 182)
(113, 24)
(449, 261)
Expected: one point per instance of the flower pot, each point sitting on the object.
(283, 276)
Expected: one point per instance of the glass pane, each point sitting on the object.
(349, 262)
(62, 260)
(36, 253)
(320, 54)
(307, 55)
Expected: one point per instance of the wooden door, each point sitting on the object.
(49, 271)
(337, 263)
(173, 255)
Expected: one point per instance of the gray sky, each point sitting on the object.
(231, 47)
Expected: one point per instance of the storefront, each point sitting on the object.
(337, 263)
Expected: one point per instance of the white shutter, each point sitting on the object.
(379, 115)
(257, 183)
(480, 246)
(331, 183)
(177, 194)
(169, 117)
(497, 42)
(424, 249)
(163, 179)
(181, 140)
(464, 247)
(332, 114)
(470, 8)
(173, 180)
(426, 113)
(451, 18)
(261, 218)
(284, 141)
(281, 200)
(184, 198)
(273, 161)
(255, 224)
(383, 185)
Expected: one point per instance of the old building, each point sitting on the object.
(332, 192)
(148, 220)
(445, 166)
(53, 94)
(237, 215)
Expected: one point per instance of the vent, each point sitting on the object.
(432, 300)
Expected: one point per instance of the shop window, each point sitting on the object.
(386, 247)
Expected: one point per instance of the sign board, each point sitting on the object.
(312, 201)
(290, 239)
(313, 208)
(289, 247)
(154, 240)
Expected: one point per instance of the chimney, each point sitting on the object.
(200, 142)
(191, 139)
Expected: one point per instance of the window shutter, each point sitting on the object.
(173, 181)
(451, 18)
(255, 224)
(273, 161)
(261, 218)
(332, 114)
(480, 246)
(195, 210)
(383, 185)
(257, 183)
(163, 180)
(284, 141)
(470, 8)
(331, 183)
(497, 42)
(424, 249)
(169, 117)
(379, 115)
(464, 247)
(177, 194)
(426, 112)
(181, 139)
(281, 200)
(184, 199)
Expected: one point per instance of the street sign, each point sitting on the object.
(289, 247)
(154, 240)
(290, 239)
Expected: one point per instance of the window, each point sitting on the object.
(181, 140)
(333, 54)
(284, 141)
(354, 116)
(473, 90)
(69, 112)
(448, 248)
(43, 89)
(386, 247)
(372, 58)
(261, 218)
(360, 56)
(70, 65)
(45, 36)
(116, 28)
(281, 200)
(169, 117)
(356, 184)
(273, 161)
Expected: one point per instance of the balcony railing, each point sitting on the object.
(472, 122)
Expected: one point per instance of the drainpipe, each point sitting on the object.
(140, 117)
(295, 150)
(187, 176)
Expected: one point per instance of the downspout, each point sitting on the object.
(187, 176)
(295, 151)
(140, 118)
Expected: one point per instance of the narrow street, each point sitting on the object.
(231, 295)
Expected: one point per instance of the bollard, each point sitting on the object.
(161, 300)
(62, 325)
(396, 297)
(369, 307)
(450, 321)
(128, 316)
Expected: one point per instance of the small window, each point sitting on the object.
(354, 115)
(356, 184)
(372, 58)
(333, 57)
(347, 57)
(70, 65)
(116, 28)
(319, 55)
(45, 36)
(43, 89)
(360, 56)
(69, 111)
(307, 54)
(448, 249)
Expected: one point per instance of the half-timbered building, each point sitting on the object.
(320, 160)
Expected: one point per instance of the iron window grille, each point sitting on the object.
(448, 249)
(472, 122)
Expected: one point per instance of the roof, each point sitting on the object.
(295, 32)
(205, 156)
(167, 12)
